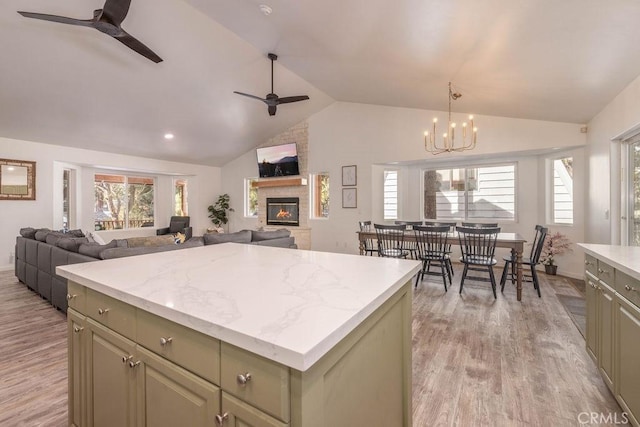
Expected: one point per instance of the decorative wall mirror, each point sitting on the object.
(17, 180)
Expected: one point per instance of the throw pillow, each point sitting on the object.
(243, 236)
(28, 232)
(151, 241)
(93, 249)
(71, 244)
(96, 238)
(41, 234)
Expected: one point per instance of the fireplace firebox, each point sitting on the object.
(283, 211)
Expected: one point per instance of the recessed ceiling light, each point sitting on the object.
(168, 136)
(265, 9)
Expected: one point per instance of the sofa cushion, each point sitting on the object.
(243, 236)
(41, 234)
(53, 237)
(150, 241)
(72, 244)
(75, 233)
(28, 232)
(140, 250)
(282, 242)
(257, 236)
(93, 249)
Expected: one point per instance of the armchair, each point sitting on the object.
(177, 224)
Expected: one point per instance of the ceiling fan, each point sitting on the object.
(106, 20)
(272, 100)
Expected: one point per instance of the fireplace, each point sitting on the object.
(283, 211)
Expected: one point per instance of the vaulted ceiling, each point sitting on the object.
(68, 85)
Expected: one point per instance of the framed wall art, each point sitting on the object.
(349, 175)
(349, 197)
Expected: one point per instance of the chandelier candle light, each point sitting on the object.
(448, 142)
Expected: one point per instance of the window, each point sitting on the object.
(633, 193)
(390, 198)
(66, 210)
(320, 195)
(250, 198)
(123, 202)
(181, 207)
(471, 193)
(562, 191)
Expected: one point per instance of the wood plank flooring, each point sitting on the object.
(476, 361)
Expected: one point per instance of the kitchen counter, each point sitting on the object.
(289, 306)
(623, 258)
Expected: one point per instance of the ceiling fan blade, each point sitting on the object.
(289, 99)
(116, 10)
(251, 96)
(133, 43)
(60, 19)
(272, 110)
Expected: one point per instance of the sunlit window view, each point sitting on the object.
(181, 206)
(320, 196)
(563, 190)
(123, 202)
(251, 199)
(634, 180)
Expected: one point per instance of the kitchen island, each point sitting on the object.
(240, 335)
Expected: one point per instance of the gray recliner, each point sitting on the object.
(177, 224)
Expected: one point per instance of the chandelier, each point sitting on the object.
(448, 143)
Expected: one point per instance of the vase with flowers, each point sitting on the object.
(555, 244)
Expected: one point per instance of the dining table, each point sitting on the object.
(513, 241)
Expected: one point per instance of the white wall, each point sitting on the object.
(620, 115)
(371, 136)
(204, 184)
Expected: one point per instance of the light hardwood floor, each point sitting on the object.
(476, 361)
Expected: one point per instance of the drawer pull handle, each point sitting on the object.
(125, 359)
(630, 288)
(102, 311)
(592, 285)
(601, 271)
(164, 341)
(77, 329)
(243, 379)
(220, 419)
(133, 364)
(70, 297)
(586, 262)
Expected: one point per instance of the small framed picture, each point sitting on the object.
(349, 197)
(349, 175)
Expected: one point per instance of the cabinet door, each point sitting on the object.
(628, 362)
(75, 338)
(605, 317)
(592, 330)
(171, 396)
(239, 414)
(111, 385)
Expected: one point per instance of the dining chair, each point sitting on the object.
(478, 246)
(480, 224)
(432, 247)
(452, 228)
(369, 247)
(410, 246)
(391, 240)
(531, 261)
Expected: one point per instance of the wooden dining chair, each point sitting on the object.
(452, 228)
(531, 261)
(432, 247)
(410, 246)
(369, 247)
(480, 224)
(391, 240)
(478, 247)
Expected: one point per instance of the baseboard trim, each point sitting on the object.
(7, 267)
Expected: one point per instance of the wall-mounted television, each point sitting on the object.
(279, 160)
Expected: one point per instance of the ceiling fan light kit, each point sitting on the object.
(106, 20)
(448, 144)
(272, 100)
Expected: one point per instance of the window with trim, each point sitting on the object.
(470, 193)
(562, 191)
(123, 201)
(320, 195)
(181, 207)
(250, 198)
(390, 195)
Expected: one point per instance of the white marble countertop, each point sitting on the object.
(290, 306)
(623, 258)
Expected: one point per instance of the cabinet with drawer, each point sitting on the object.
(131, 367)
(613, 330)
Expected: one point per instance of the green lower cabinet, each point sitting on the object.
(592, 315)
(76, 333)
(236, 413)
(606, 311)
(628, 359)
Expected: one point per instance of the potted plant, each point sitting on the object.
(218, 211)
(555, 244)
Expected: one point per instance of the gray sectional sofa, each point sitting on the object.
(40, 251)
